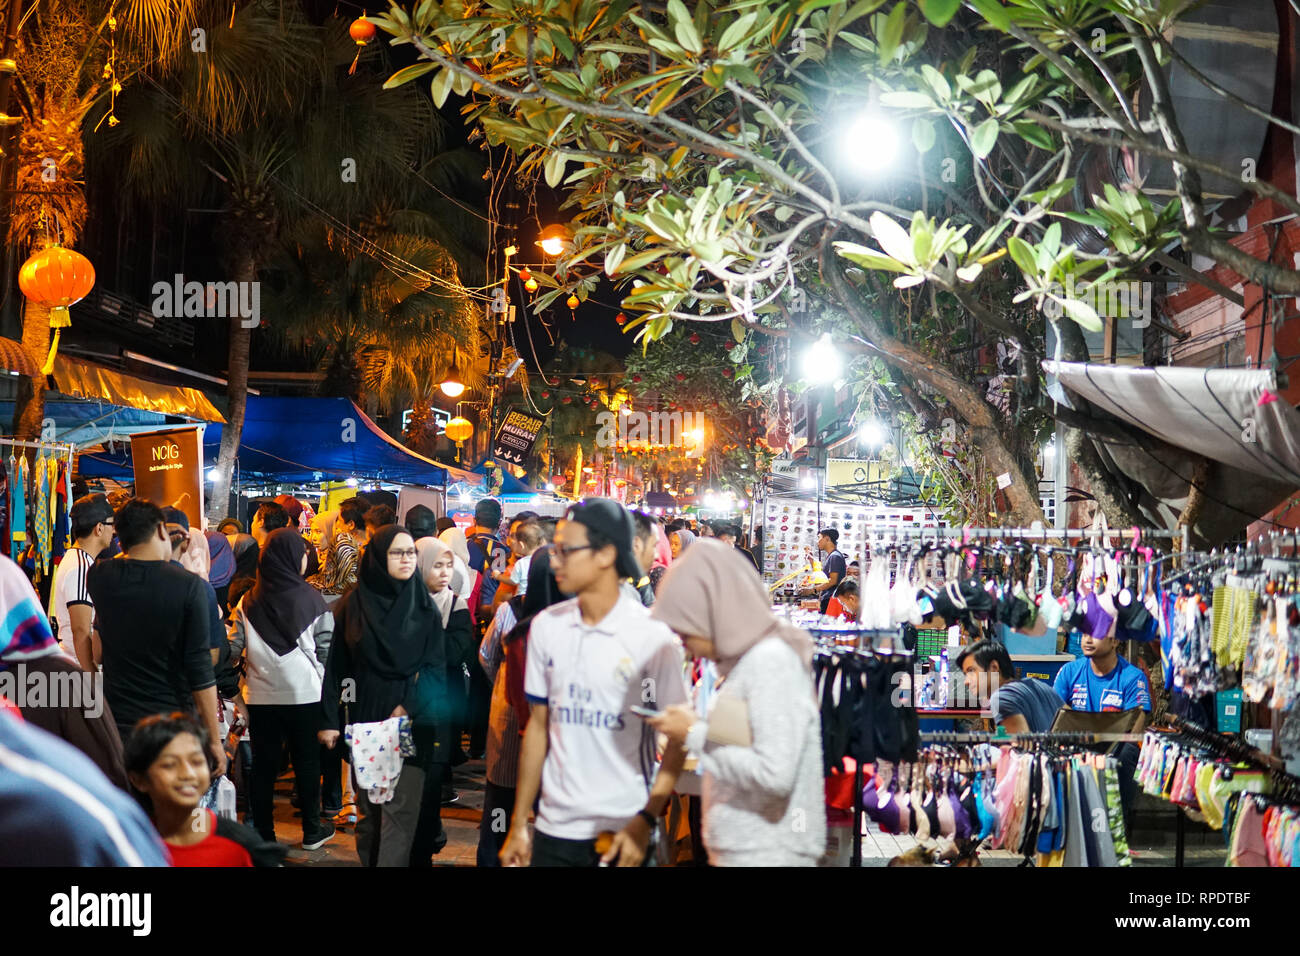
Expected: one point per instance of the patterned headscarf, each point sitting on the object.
(24, 628)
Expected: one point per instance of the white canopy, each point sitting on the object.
(1233, 416)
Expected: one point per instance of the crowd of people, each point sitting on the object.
(567, 654)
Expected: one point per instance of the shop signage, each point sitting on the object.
(169, 470)
(854, 471)
(516, 436)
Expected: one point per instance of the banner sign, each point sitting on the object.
(516, 436)
(169, 470)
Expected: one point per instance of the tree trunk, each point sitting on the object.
(29, 409)
(1105, 487)
(983, 419)
(237, 393)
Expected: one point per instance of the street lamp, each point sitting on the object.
(554, 240)
(452, 386)
(822, 361)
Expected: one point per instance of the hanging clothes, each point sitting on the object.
(18, 471)
(42, 524)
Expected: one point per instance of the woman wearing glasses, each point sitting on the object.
(390, 656)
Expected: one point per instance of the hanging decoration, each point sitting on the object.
(56, 278)
(458, 430)
(362, 31)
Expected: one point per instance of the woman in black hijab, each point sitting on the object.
(391, 651)
(283, 631)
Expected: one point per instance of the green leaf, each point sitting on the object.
(440, 87)
(562, 43)
(408, 73)
(664, 97)
(738, 330)
(555, 168)
(1032, 133)
(684, 27)
(1082, 313)
(922, 135)
(1023, 255)
(710, 250)
(809, 5)
(640, 259)
(738, 30)
(907, 100)
(936, 81)
(867, 258)
(998, 16)
(1051, 243)
(1087, 218)
(893, 238)
(939, 12)
(613, 257)
(984, 137)
(890, 35)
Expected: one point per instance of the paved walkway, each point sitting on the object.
(461, 821)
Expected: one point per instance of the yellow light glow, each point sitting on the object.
(552, 246)
(452, 388)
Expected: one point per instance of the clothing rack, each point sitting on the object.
(1287, 785)
(68, 448)
(1055, 737)
(866, 647)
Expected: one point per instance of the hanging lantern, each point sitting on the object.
(458, 430)
(621, 318)
(525, 274)
(362, 31)
(531, 285)
(572, 302)
(695, 338)
(56, 278)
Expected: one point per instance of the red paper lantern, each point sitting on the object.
(361, 30)
(620, 318)
(636, 379)
(695, 339)
(567, 400)
(546, 394)
(525, 274)
(57, 278)
(681, 376)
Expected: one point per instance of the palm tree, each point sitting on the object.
(271, 124)
(70, 54)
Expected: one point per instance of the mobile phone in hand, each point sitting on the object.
(644, 711)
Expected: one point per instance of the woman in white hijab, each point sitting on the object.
(434, 564)
(463, 577)
(764, 801)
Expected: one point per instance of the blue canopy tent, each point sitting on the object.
(89, 423)
(306, 440)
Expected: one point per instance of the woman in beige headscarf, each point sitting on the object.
(463, 577)
(434, 564)
(764, 803)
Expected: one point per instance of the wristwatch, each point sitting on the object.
(650, 819)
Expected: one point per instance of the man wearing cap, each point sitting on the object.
(72, 608)
(178, 532)
(590, 660)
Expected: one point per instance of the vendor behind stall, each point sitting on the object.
(1021, 705)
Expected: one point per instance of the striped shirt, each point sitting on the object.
(70, 589)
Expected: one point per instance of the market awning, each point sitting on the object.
(81, 379)
(1233, 416)
(309, 440)
(94, 423)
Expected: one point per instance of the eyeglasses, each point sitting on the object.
(406, 553)
(559, 552)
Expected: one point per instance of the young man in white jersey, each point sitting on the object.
(70, 603)
(591, 660)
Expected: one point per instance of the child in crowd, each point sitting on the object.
(525, 540)
(168, 766)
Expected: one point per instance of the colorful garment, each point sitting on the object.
(377, 750)
(42, 522)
